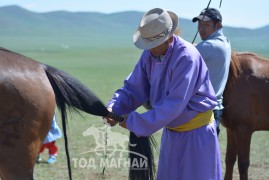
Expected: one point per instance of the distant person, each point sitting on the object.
(172, 75)
(50, 143)
(216, 52)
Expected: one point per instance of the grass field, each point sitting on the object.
(103, 71)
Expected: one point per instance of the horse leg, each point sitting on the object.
(243, 142)
(231, 153)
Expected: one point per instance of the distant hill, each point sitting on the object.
(116, 29)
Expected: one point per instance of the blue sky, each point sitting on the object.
(236, 13)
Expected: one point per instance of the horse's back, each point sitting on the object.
(247, 92)
(253, 65)
(27, 102)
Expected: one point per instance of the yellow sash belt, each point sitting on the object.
(199, 120)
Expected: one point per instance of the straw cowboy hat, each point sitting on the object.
(156, 26)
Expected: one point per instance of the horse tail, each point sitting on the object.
(72, 95)
(144, 147)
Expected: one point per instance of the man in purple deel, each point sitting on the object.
(173, 76)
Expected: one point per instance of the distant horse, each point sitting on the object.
(29, 91)
(246, 108)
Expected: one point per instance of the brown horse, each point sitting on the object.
(246, 108)
(29, 91)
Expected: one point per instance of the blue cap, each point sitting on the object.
(208, 14)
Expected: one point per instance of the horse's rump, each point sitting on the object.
(25, 109)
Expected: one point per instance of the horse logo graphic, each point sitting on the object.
(107, 140)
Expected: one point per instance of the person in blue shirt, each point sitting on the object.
(215, 49)
(50, 142)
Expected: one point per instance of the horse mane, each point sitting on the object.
(234, 70)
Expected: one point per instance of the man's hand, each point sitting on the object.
(123, 123)
(109, 121)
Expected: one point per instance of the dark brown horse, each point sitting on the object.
(29, 91)
(246, 103)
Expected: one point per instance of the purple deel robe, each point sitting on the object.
(178, 88)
